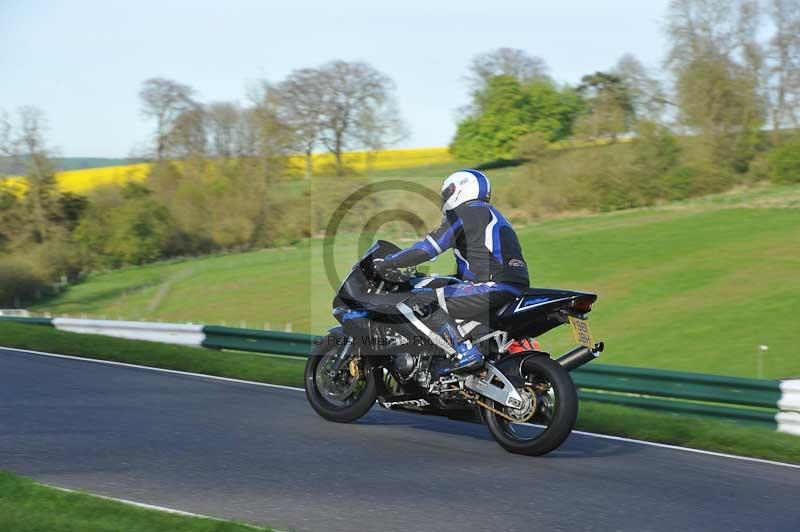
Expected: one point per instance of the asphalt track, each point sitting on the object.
(259, 454)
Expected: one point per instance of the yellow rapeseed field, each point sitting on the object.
(87, 178)
(362, 161)
(78, 181)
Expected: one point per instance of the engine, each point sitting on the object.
(404, 365)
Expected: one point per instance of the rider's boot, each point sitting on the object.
(466, 357)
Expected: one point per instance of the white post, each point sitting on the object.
(762, 349)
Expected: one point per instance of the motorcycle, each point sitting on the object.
(527, 399)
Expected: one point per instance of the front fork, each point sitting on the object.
(341, 360)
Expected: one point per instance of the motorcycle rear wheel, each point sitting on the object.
(343, 400)
(556, 411)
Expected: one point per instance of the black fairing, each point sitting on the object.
(355, 285)
(535, 312)
(538, 310)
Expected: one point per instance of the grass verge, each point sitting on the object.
(743, 439)
(245, 366)
(698, 432)
(27, 506)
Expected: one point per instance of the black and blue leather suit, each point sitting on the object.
(488, 258)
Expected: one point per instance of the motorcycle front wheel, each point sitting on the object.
(553, 399)
(341, 397)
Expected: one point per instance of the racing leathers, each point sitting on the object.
(490, 265)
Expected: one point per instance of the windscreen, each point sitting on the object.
(357, 281)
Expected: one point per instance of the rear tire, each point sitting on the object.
(358, 405)
(561, 419)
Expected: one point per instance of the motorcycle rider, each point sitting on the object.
(490, 266)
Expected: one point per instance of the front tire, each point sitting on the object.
(557, 410)
(345, 399)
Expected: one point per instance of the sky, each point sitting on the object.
(82, 62)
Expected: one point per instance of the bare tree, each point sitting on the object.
(702, 28)
(359, 110)
(263, 133)
(5, 134)
(784, 68)
(717, 65)
(164, 100)
(298, 102)
(223, 121)
(505, 62)
(186, 138)
(645, 92)
(6, 144)
(28, 147)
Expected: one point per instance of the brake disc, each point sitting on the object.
(528, 408)
(339, 389)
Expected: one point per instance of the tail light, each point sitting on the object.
(583, 304)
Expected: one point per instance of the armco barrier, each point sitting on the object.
(281, 343)
(168, 333)
(754, 400)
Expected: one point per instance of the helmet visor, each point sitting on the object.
(448, 192)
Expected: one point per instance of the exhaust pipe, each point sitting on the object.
(579, 356)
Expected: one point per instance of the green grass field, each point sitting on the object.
(26, 506)
(725, 436)
(696, 285)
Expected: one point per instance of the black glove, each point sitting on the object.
(386, 270)
(380, 267)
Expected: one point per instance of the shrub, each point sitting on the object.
(784, 162)
(132, 232)
(532, 147)
(20, 280)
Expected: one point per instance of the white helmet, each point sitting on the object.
(464, 186)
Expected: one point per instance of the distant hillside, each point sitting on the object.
(68, 163)
(77, 163)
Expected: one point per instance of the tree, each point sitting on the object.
(609, 106)
(508, 109)
(6, 142)
(720, 102)
(340, 105)
(10, 220)
(505, 62)
(265, 134)
(358, 109)
(784, 68)
(223, 123)
(702, 28)
(298, 102)
(26, 145)
(164, 101)
(716, 62)
(645, 93)
(187, 136)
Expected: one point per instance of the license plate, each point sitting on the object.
(581, 332)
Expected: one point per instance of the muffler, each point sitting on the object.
(579, 356)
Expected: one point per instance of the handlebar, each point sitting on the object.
(396, 275)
